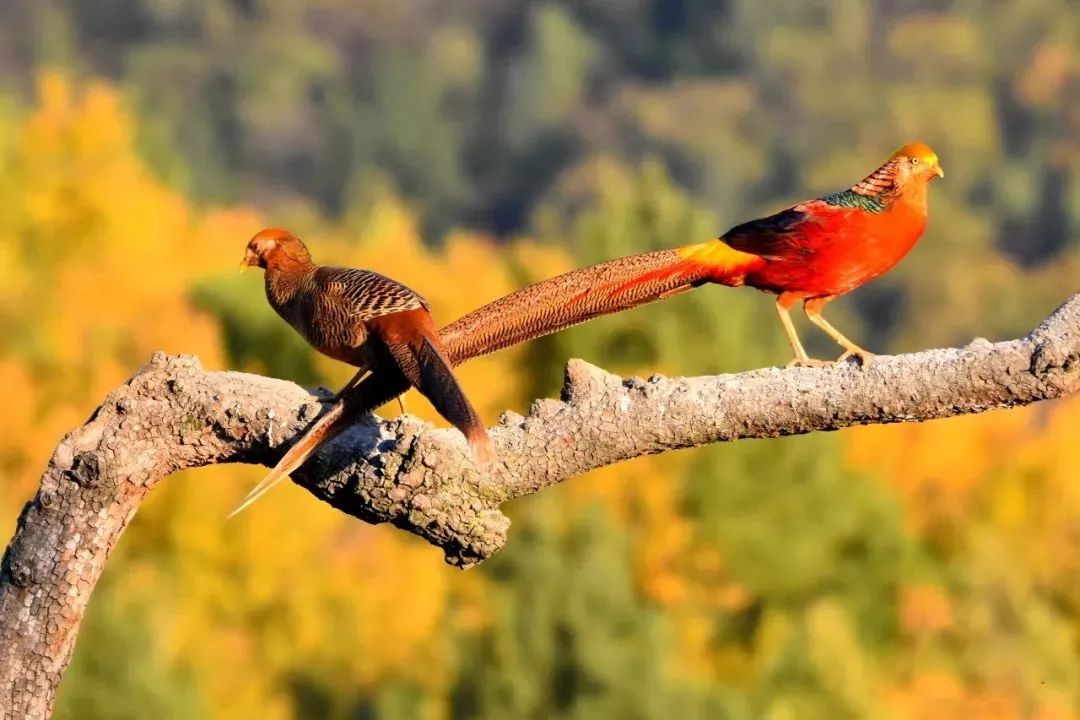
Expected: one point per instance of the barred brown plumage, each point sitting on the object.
(364, 319)
(569, 299)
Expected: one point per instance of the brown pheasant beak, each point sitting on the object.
(249, 260)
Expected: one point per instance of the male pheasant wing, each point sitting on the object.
(779, 235)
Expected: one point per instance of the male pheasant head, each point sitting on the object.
(274, 248)
(916, 161)
(906, 174)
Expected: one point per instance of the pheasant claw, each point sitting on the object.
(862, 357)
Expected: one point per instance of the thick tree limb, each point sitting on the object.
(174, 415)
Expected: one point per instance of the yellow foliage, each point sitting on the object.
(102, 258)
(1015, 470)
(936, 466)
(925, 611)
(940, 696)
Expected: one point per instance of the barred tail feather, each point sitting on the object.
(437, 381)
(586, 293)
(424, 364)
(321, 431)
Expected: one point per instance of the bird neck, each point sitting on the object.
(879, 191)
(882, 184)
(913, 194)
(285, 277)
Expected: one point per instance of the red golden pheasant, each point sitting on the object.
(812, 252)
(366, 320)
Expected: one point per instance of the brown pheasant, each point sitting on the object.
(366, 320)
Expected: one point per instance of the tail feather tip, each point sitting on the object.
(482, 451)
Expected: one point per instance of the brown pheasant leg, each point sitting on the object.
(813, 308)
(783, 307)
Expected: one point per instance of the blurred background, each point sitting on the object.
(468, 148)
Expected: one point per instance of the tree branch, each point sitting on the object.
(174, 415)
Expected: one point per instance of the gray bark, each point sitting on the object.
(174, 415)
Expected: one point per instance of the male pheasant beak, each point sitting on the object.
(249, 260)
(938, 171)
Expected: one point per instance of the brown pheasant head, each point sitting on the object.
(274, 248)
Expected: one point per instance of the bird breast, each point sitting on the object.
(320, 317)
(838, 253)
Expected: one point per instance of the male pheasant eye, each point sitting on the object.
(914, 161)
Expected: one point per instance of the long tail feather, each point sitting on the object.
(590, 292)
(437, 381)
(322, 430)
(425, 365)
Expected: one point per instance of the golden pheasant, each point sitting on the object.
(811, 252)
(366, 320)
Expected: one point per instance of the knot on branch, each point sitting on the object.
(162, 361)
(583, 380)
(85, 471)
(22, 575)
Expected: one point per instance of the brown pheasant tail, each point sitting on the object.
(413, 345)
(438, 383)
(327, 427)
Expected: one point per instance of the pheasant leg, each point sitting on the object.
(360, 374)
(783, 306)
(851, 350)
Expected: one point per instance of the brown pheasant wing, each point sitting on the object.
(340, 302)
(362, 295)
(419, 356)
